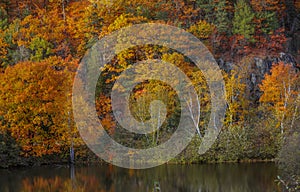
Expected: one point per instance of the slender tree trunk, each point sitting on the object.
(295, 112)
(72, 158)
(195, 121)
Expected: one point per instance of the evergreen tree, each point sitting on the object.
(3, 19)
(207, 9)
(268, 21)
(267, 15)
(222, 20)
(243, 20)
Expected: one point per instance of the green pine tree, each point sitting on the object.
(207, 9)
(269, 21)
(243, 20)
(3, 19)
(222, 20)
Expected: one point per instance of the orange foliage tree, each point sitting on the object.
(280, 91)
(34, 105)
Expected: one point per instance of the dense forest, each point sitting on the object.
(256, 44)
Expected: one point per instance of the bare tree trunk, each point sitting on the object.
(63, 10)
(157, 126)
(287, 93)
(72, 158)
(195, 121)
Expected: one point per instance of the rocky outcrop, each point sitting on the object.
(294, 46)
(256, 71)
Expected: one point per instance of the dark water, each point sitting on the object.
(170, 178)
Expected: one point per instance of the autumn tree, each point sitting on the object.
(201, 29)
(3, 26)
(236, 98)
(280, 91)
(35, 101)
(104, 110)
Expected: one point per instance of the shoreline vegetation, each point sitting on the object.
(22, 162)
(100, 162)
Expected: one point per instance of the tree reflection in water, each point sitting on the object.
(185, 178)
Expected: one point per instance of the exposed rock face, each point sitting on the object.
(257, 70)
(296, 45)
(226, 66)
(293, 45)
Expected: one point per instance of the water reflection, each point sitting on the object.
(167, 178)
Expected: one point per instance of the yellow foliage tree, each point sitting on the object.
(201, 29)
